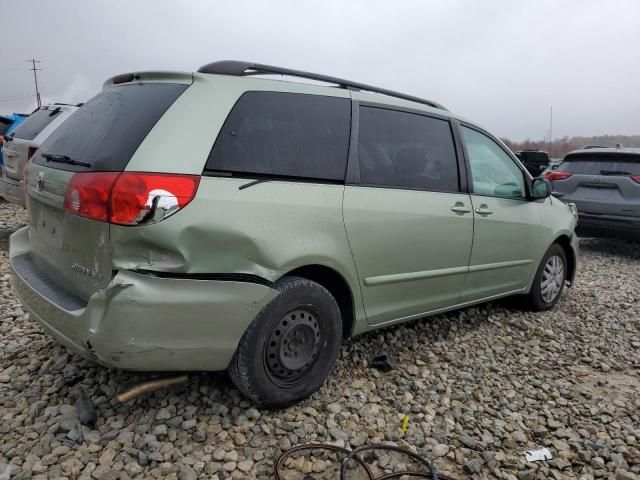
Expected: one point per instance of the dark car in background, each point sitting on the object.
(604, 183)
(535, 161)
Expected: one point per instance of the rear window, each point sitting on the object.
(284, 134)
(36, 123)
(107, 130)
(601, 165)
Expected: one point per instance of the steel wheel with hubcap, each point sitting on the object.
(293, 346)
(549, 280)
(552, 278)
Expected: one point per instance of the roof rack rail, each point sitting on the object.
(240, 68)
(590, 147)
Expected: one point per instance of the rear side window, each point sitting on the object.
(284, 134)
(399, 149)
(107, 130)
(36, 123)
(601, 164)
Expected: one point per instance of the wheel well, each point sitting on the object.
(337, 286)
(565, 243)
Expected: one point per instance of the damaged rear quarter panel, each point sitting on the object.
(150, 323)
(266, 230)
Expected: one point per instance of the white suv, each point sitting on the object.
(20, 146)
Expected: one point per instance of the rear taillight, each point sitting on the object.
(636, 178)
(129, 198)
(140, 197)
(88, 195)
(551, 176)
(31, 152)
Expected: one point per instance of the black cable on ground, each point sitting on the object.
(355, 455)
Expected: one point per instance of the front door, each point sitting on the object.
(409, 227)
(507, 226)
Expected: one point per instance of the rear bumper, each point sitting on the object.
(12, 191)
(141, 322)
(608, 226)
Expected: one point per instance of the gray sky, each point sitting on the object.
(501, 63)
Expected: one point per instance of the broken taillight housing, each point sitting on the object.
(129, 198)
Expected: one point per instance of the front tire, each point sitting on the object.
(290, 347)
(549, 280)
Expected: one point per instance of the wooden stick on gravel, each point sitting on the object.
(150, 386)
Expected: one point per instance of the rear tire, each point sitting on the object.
(290, 347)
(549, 281)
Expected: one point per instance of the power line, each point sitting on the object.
(35, 78)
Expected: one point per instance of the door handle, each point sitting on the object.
(483, 210)
(460, 208)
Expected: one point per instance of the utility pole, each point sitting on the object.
(550, 131)
(33, 62)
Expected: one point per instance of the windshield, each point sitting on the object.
(601, 164)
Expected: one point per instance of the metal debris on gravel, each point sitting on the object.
(481, 387)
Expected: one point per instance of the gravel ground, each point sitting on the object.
(480, 387)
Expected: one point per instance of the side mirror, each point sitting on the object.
(540, 188)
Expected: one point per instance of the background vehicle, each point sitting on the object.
(604, 183)
(254, 236)
(535, 161)
(8, 124)
(20, 146)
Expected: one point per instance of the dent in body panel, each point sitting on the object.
(141, 320)
(267, 231)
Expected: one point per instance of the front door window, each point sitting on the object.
(493, 172)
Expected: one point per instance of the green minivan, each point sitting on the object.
(230, 220)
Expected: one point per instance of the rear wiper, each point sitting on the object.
(64, 159)
(254, 182)
(614, 172)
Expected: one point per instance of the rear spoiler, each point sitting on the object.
(149, 77)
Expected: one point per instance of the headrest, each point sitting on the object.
(410, 160)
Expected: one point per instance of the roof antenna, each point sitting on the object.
(619, 145)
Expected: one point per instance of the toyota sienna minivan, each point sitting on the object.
(221, 220)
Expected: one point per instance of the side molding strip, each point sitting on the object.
(407, 277)
(495, 266)
(411, 276)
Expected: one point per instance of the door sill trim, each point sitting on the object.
(447, 309)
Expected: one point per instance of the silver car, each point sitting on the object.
(604, 183)
(20, 146)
